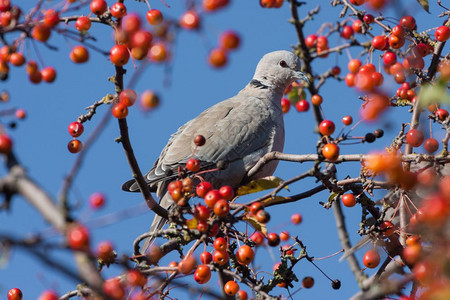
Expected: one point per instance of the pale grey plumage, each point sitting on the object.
(238, 131)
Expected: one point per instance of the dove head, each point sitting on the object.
(278, 70)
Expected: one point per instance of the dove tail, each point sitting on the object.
(157, 224)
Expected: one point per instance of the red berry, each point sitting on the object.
(330, 151)
(357, 26)
(371, 259)
(379, 42)
(302, 106)
(284, 236)
(201, 212)
(202, 274)
(97, 200)
(41, 32)
(311, 40)
(15, 294)
(17, 59)
(229, 40)
(217, 57)
(296, 219)
(76, 129)
(120, 110)
(389, 58)
(347, 120)
(220, 244)
(48, 295)
(307, 282)
(442, 114)
(190, 20)
(79, 54)
(387, 228)
(119, 55)
(193, 165)
(442, 33)
(421, 50)
(221, 208)
(158, 52)
(131, 23)
(398, 31)
(322, 42)
(83, 24)
(273, 239)
(354, 65)
(114, 289)
(357, 2)
(51, 18)
(348, 200)
(5, 143)
(255, 207)
(48, 74)
(21, 114)
(98, 7)
(414, 137)
(5, 5)
(78, 237)
(431, 145)
(408, 22)
(326, 127)
(105, 252)
(187, 265)
(262, 216)
(226, 192)
(368, 19)
(257, 238)
(245, 255)
(75, 146)
(231, 288)
(118, 10)
(127, 97)
(211, 198)
(203, 188)
(205, 257)
(136, 278)
(199, 140)
(221, 257)
(347, 32)
(285, 105)
(154, 17)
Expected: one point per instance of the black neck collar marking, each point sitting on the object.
(258, 84)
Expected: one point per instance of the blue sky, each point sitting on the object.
(40, 140)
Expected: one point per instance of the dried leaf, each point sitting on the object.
(273, 201)
(192, 223)
(255, 224)
(425, 5)
(259, 185)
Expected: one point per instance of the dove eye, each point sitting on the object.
(283, 64)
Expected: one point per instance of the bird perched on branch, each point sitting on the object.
(238, 132)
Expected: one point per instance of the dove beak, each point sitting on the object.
(302, 76)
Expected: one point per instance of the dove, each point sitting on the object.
(238, 132)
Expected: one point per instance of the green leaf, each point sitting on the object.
(434, 94)
(293, 95)
(332, 197)
(259, 185)
(425, 5)
(255, 224)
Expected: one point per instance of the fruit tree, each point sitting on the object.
(92, 89)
